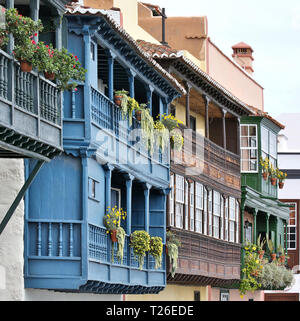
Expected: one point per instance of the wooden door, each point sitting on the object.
(281, 296)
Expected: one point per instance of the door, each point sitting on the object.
(281, 296)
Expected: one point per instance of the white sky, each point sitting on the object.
(270, 27)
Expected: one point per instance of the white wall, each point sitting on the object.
(291, 189)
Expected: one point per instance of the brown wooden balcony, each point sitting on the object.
(204, 260)
(212, 164)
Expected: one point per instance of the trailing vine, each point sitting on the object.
(147, 125)
(173, 257)
(121, 234)
(140, 242)
(161, 135)
(156, 249)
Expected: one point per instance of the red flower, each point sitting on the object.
(33, 42)
(35, 34)
(47, 46)
(74, 66)
(75, 89)
(37, 47)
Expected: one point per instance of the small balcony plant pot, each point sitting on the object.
(282, 258)
(273, 256)
(261, 254)
(281, 184)
(49, 75)
(265, 176)
(25, 66)
(273, 181)
(118, 100)
(138, 115)
(113, 236)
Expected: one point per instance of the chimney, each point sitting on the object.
(242, 54)
(163, 21)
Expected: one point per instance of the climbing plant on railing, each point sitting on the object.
(156, 249)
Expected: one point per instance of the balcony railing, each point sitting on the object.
(30, 107)
(207, 258)
(59, 255)
(215, 164)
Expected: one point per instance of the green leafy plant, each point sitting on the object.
(172, 245)
(270, 245)
(281, 175)
(170, 121)
(161, 135)
(121, 234)
(45, 58)
(275, 277)
(132, 105)
(176, 140)
(112, 220)
(251, 270)
(156, 249)
(147, 125)
(140, 242)
(260, 242)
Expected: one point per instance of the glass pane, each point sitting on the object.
(253, 165)
(265, 140)
(252, 142)
(244, 142)
(244, 130)
(245, 154)
(252, 130)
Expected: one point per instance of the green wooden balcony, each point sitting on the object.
(30, 113)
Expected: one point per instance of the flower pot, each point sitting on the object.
(282, 258)
(113, 236)
(281, 184)
(118, 100)
(25, 66)
(138, 115)
(273, 181)
(261, 254)
(265, 176)
(273, 256)
(49, 75)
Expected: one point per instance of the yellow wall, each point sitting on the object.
(180, 114)
(172, 293)
(129, 9)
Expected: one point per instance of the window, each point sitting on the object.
(222, 219)
(93, 51)
(237, 216)
(192, 204)
(205, 211)
(199, 207)
(216, 214)
(249, 161)
(180, 184)
(173, 110)
(224, 295)
(115, 197)
(196, 295)
(226, 218)
(186, 202)
(210, 213)
(193, 123)
(248, 231)
(292, 229)
(94, 189)
(269, 145)
(171, 201)
(232, 213)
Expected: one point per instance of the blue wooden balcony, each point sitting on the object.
(58, 259)
(30, 113)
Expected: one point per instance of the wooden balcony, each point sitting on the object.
(210, 163)
(206, 261)
(30, 113)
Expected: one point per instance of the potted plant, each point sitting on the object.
(46, 60)
(25, 55)
(271, 249)
(147, 126)
(265, 164)
(172, 245)
(161, 135)
(121, 234)
(69, 70)
(260, 246)
(272, 173)
(121, 98)
(156, 249)
(138, 111)
(176, 140)
(281, 177)
(140, 242)
(170, 121)
(112, 220)
(281, 254)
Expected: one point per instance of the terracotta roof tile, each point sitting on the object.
(261, 113)
(242, 45)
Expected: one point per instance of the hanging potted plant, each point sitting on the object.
(176, 140)
(138, 111)
(170, 121)
(260, 246)
(161, 135)
(25, 55)
(281, 254)
(272, 173)
(140, 242)
(281, 178)
(128, 105)
(172, 245)
(121, 98)
(156, 249)
(265, 164)
(147, 126)
(112, 222)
